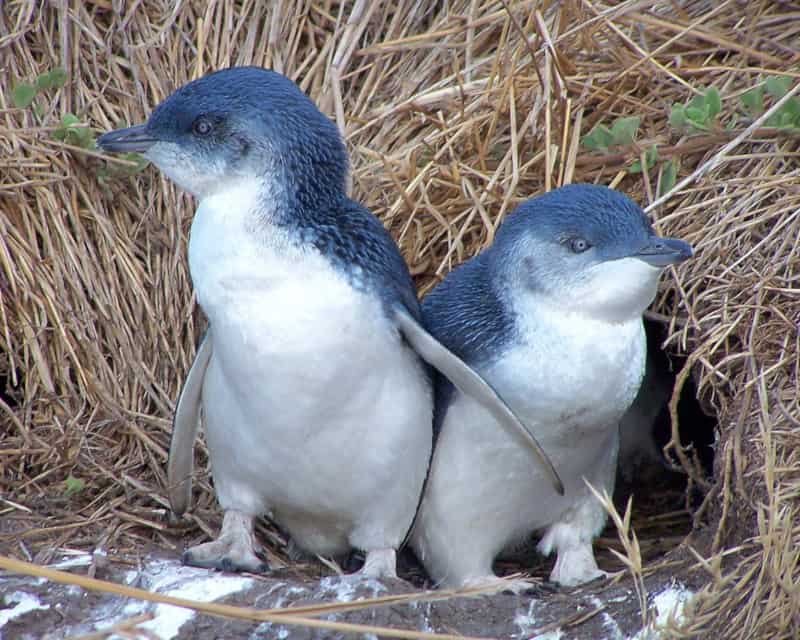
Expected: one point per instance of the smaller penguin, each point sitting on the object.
(551, 316)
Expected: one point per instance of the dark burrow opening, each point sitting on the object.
(9, 395)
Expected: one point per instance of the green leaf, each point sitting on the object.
(677, 117)
(778, 86)
(669, 174)
(753, 101)
(58, 78)
(792, 107)
(623, 131)
(43, 81)
(698, 118)
(139, 159)
(79, 137)
(650, 159)
(23, 95)
(69, 119)
(598, 138)
(74, 485)
(589, 142)
(698, 101)
(696, 114)
(71, 132)
(713, 102)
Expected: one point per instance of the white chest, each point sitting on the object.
(307, 371)
(570, 372)
(251, 281)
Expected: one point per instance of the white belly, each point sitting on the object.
(315, 409)
(571, 389)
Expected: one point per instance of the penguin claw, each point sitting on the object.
(232, 562)
(379, 563)
(506, 586)
(232, 552)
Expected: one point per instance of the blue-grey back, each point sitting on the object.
(468, 316)
(358, 245)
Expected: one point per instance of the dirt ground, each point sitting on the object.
(34, 608)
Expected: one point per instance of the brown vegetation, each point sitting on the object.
(451, 117)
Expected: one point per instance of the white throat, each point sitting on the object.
(614, 291)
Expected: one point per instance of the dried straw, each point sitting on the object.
(453, 112)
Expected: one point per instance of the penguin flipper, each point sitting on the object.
(185, 425)
(468, 381)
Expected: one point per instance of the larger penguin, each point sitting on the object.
(317, 406)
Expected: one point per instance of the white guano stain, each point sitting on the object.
(189, 583)
(23, 603)
(670, 605)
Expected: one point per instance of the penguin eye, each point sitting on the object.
(202, 126)
(578, 245)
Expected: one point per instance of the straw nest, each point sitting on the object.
(453, 112)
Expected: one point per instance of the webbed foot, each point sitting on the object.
(576, 566)
(496, 584)
(380, 563)
(234, 550)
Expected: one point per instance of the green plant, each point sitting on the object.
(70, 129)
(73, 485)
(650, 159)
(699, 113)
(622, 131)
(752, 102)
(25, 93)
(669, 175)
(73, 132)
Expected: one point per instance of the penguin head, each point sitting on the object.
(241, 123)
(585, 249)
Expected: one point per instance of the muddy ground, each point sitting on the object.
(34, 608)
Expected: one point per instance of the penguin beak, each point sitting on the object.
(133, 139)
(662, 252)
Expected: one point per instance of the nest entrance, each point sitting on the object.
(665, 494)
(696, 423)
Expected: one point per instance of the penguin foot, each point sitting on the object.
(380, 563)
(233, 551)
(576, 566)
(496, 584)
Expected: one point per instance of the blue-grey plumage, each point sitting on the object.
(315, 409)
(551, 316)
(316, 402)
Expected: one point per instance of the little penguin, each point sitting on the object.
(312, 381)
(551, 316)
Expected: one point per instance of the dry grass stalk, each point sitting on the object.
(452, 117)
(632, 556)
(126, 629)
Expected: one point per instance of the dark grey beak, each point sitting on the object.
(662, 252)
(133, 139)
